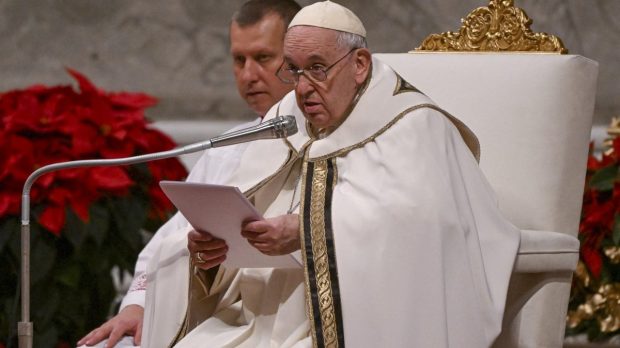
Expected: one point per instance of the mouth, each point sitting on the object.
(254, 94)
(311, 107)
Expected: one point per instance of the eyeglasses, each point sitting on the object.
(315, 72)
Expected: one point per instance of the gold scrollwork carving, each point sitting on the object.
(498, 27)
(613, 131)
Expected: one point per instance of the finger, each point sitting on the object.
(115, 336)
(213, 254)
(84, 339)
(195, 247)
(211, 263)
(97, 335)
(137, 338)
(214, 244)
(251, 235)
(260, 245)
(199, 236)
(256, 226)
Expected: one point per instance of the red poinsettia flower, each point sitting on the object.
(42, 125)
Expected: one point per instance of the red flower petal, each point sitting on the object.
(53, 218)
(84, 140)
(110, 178)
(81, 203)
(85, 85)
(160, 203)
(132, 100)
(593, 260)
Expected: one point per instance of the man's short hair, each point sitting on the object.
(350, 41)
(254, 11)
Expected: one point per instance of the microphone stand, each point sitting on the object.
(278, 127)
(25, 327)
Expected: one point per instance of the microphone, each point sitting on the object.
(279, 127)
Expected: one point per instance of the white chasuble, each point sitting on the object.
(402, 241)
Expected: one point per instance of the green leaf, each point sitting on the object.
(604, 179)
(129, 215)
(616, 231)
(75, 229)
(8, 228)
(44, 335)
(42, 255)
(69, 275)
(46, 300)
(14, 243)
(99, 223)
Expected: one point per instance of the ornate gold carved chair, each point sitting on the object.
(531, 106)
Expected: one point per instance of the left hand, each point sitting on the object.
(274, 236)
(127, 322)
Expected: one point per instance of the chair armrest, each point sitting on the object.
(546, 251)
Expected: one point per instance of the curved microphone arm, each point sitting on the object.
(25, 327)
(104, 163)
(278, 127)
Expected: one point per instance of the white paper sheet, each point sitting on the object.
(221, 210)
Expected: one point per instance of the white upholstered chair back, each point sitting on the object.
(532, 114)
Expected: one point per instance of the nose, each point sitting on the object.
(303, 86)
(249, 71)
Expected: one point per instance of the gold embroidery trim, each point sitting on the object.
(309, 312)
(320, 257)
(468, 136)
(319, 253)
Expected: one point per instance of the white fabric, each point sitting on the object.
(532, 114)
(214, 167)
(125, 342)
(423, 255)
(329, 15)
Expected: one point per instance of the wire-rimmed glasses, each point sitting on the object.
(315, 72)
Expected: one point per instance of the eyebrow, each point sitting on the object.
(313, 58)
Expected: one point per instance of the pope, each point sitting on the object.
(379, 195)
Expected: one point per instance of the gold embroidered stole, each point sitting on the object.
(317, 241)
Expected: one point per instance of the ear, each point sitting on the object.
(363, 61)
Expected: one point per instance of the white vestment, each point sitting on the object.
(402, 240)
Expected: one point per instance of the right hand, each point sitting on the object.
(127, 322)
(212, 250)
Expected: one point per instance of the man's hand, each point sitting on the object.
(207, 251)
(127, 322)
(274, 236)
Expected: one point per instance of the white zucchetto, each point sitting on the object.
(329, 15)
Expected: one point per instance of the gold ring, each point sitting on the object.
(199, 258)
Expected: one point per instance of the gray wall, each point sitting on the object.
(177, 50)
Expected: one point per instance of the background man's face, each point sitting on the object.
(257, 54)
(325, 103)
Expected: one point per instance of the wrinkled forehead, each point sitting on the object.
(306, 40)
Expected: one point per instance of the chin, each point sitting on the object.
(259, 109)
(318, 120)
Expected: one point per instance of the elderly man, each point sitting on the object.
(256, 39)
(380, 193)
